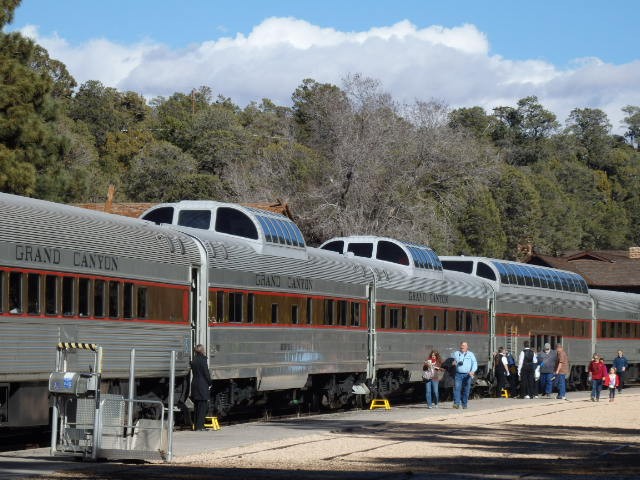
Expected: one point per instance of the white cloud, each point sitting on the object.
(449, 64)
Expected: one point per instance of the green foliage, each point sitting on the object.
(27, 112)
(162, 172)
(7, 7)
(480, 227)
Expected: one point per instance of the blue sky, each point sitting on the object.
(569, 53)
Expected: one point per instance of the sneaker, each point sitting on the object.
(561, 398)
(597, 399)
(535, 396)
(435, 406)
(527, 396)
(456, 406)
(593, 399)
(429, 407)
(464, 407)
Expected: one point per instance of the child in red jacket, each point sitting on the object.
(612, 381)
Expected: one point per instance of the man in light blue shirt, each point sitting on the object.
(466, 366)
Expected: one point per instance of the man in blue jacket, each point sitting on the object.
(621, 364)
(466, 366)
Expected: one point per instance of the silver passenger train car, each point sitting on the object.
(72, 275)
(417, 307)
(546, 305)
(285, 320)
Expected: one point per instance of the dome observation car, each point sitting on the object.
(268, 232)
(419, 257)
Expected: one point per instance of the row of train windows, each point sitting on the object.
(241, 307)
(53, 295)
(405, 318)
(619, 330)
(510, 324)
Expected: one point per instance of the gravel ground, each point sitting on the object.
(519, 439)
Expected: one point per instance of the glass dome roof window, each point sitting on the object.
(423, 257)
(278, 229)
(527, 275)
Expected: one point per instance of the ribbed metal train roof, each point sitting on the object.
(27, 220)
(616, 301)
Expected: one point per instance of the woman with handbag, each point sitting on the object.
(432, 373)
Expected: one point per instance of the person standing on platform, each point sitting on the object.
(527, 362)
(466, 366)
(433, 364)
(597, 372)
(501, 369)
(562, 370)
(547, 360)
(621, 364)
(612, 381)
(200, 382)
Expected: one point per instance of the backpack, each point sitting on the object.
(427, 374)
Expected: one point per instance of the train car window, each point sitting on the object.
(128, 300)
(2, 295)
(84, 295)
(485, 271)
(98, 298)
(251, 307)
(294, 314)
(274, 313)
(445, 320)
(33, 293)
(459, 321)
(355, 314)
(68, 284)
(421, 325)
(15, 292)
(309, 311)
(200, 219)
(405, 318)
(235, 222)
(394, 317)
(360, 249)
(342, 312)
(328, 312)
(142, 302)
(235, 307)
(390, 252)
(335, 246)
(220, 306)
(160, 215)
(520, 275)
(114, 299)
(469, 327)
(383, 316)
(50, 294)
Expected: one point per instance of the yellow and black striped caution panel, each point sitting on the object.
(77, 345)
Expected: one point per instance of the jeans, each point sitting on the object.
(431, 391)
(546, 385)
(461, 389)
(596, 388)
(562, 385)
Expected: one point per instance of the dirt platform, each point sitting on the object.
(494, 438)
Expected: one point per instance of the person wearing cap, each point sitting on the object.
(547, 360)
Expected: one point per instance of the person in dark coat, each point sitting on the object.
(200, 381)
